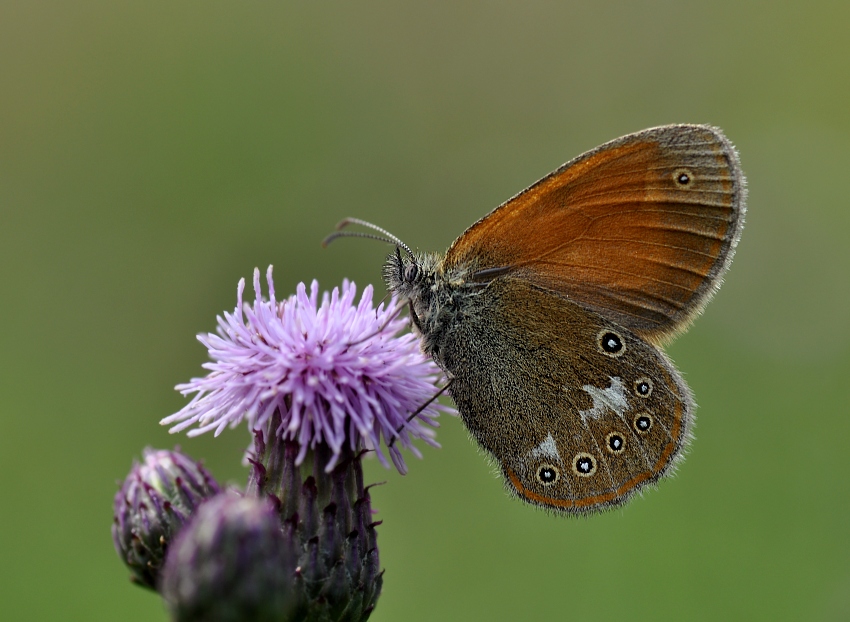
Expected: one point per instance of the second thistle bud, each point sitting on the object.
(231, 563)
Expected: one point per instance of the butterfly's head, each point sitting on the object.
(418, 280)
(409, 276)
(412, 278)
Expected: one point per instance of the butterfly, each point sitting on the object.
(548, 314)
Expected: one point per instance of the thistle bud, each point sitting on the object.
(156, 499)
(232, 563)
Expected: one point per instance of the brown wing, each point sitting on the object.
(639, 229)
(579, 412)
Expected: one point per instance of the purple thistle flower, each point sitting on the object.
(338, 373)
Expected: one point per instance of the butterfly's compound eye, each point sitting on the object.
(411, 271)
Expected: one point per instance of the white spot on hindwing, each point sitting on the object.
(546, 449)
(613, 398)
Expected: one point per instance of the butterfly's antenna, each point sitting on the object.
(355, 234)
(389, 238)
(419, 410)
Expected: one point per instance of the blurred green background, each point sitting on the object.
(151, 154)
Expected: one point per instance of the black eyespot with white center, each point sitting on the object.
(683, 177)
(610, 343)
(643, 387)
(615, 443)
(584, 465)
(548, 474)
(642, 423)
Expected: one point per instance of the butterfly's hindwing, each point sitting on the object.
(579, 412)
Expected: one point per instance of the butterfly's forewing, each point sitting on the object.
(639, 229)
(579, 412)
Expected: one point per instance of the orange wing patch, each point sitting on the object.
(639, 229)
